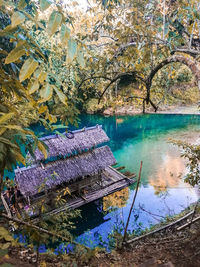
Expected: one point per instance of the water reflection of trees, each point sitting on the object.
(169, 174)
(117, 199)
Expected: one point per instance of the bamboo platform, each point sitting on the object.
(112, 181)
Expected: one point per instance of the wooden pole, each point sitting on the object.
(137, 186)
(195, 209)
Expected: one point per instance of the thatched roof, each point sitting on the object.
(82, 140)
(67, 170)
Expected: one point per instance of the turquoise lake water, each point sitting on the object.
(162, 191)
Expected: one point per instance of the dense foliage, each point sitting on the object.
(57, 60)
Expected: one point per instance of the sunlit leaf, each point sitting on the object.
(42, 148)
(80, 58)
(64, 34)
(54, 22)
(34, 87)
(20, 158)
(17, 18)
(6, 117)
(29, 66)
(22, 4)
(44, 4)
(15, 54)
(52, 118)
(42, 77)
(72, 47)
(61, 95)
(42, 109)
(46, 92)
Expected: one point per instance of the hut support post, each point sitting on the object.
(137, 186)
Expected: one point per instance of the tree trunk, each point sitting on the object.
(192, 64)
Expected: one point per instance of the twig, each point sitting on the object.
(38, 228)
(153, 214)
(137, 186)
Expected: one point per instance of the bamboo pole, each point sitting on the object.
(137, 186)
(188, 224)
(195, 209)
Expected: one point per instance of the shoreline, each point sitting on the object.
(173, 110)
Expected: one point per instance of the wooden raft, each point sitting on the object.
(112, 181)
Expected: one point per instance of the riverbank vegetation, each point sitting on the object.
(58, 60)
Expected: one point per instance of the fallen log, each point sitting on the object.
(160, 229)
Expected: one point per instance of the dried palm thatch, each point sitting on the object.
(81, 141)
(67, 170)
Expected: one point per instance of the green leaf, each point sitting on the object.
(80, 58)
(29, 66)
(15, 54)
(17, 18)
(22, 4)
(54, 22)
(3, 252)
(44, 4)
(72, 47)
(46, 92)
(64, 34)
(61, 96)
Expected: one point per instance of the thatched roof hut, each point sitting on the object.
(81, 141)
(66, 170)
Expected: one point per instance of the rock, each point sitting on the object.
(108, 112)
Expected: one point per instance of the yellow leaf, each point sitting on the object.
(42, 109)
(6, 117)
(20, 158)
(42, 77)
(15, 54)
(17, 18)
(34, 87)
(61, 95)
(43, 149)
(52, 118)
(29, 66)
(54, 22)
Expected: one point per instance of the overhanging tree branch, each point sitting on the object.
(18, 221)
(92, 78)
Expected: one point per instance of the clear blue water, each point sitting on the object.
(162, 191)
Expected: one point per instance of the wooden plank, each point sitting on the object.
(109, 186)
(92, 196)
